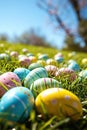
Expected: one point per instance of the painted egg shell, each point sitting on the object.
(4, 56)
(42, 62)
(43, 83)
(24, 61)
(84, 61)
(21, 73)
(16, 104)
(59, 102)
(30, 54)
(51, 62)
(83, 74)
(32, 59)
(51, 69)
(8, 80)
(66, 73)
(34, 66)
(59, 59)
(72, 61)
(74, 66)
(14, 54)
(43, 57)
(58, 55)
(34, 75)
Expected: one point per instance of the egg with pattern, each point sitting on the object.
(16, 104)
(59, 102)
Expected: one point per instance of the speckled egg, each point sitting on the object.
(34, 66)
(8, 80)
(21, 73)
(74, 66)
(43, 83)
(59, 102)
(16, 104)
(34, 75)
(51, 69)
(66, 73)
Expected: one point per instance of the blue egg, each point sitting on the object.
(16, 104)
(74, 66)
(22, 73)
(59, 59)
(43, 57)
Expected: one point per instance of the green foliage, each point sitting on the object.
(78, 87)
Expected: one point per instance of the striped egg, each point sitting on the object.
(34, 75)
(34, 66)
(21, 73)
(16, 104)
(8, 80)
(59, 102)
(43, 83)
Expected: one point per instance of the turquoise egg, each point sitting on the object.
(43, 83)
(59, 59)
(34, 66)
(74, 66)
(17, 104)
(21, 73)
(43, 57)
(34, 75)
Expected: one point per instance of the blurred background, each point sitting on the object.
(60, 24)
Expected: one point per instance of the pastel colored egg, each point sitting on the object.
(84, 61)
(21, 73)
(43, 57)
(51, 69)
(4, 56)
(43, 83)
(59, 102)
(83, 73)
(42, 62)
(34, 75)
(25, 50)
(74, 66)
(51, 62)
(14, 54)
(66, 73)
(59, 59)
(16, 104)
(32, 59)
(34, 66)
(30, 54)
(24, 61)
(8, 80)
(58, 55)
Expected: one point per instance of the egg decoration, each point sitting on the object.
(83, 74)
(43, 57)
(42, 62)
(51, 61)
(59, 102)
(32, 59)
(21, 73)
(16, 104)
(58, 55)
(14, 54)
(34, 66)
(4, 56)
(43, 83)
(25, 50)
(34, 75)
(59, 59)
(8, 80)
(66, 73)
(84, 61)
(24, 61)
(51, 69)
(74, 66)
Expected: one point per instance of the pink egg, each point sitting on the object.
(14, 54)
(24, 61)
(8, 80)
(66, 73)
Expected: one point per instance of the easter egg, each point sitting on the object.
(4, 56)
(34, 65)
(84, 61)
(59, 102)
(32, 59)
(59, 59)
(83, 73)
(51, 62)
(74, 66)
(42, 62)
(43, 83)
(66, 73)
(51, 69)
(21, 73)
(34, 75)
(8, 80)
(25, 50)
(14, 54)
(43, 57)
(16, 104)
(58, 55)
(24, 61)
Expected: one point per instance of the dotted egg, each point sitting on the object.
(59, 102)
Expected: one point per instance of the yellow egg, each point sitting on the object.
(59, 102)
(84, 61)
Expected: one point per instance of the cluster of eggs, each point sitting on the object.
(34, 85)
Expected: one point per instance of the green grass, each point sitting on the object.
(78, 87)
